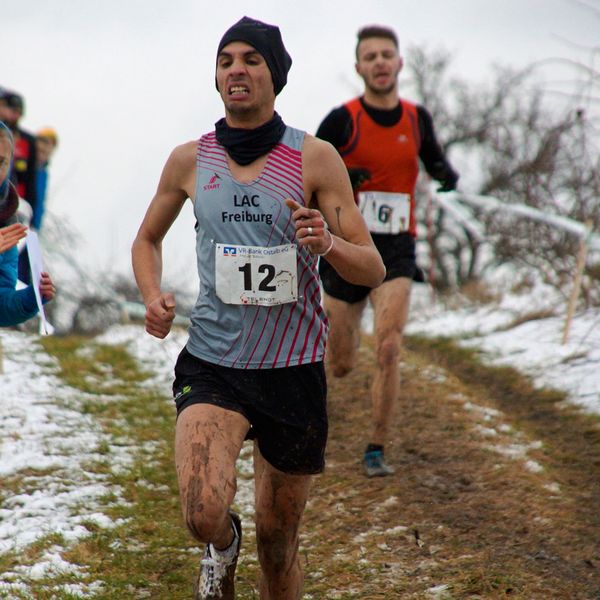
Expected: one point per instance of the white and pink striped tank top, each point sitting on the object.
(246, 218)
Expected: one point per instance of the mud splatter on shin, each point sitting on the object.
(278, 551)
(209, 491)
(194, 502)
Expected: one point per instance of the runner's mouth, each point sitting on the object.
(238, 90)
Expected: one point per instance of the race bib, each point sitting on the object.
(385, 212)
(256, 275)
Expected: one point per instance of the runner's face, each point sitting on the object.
(378, 64)
(244, 81)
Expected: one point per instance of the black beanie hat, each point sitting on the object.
(12, 99)
(266, 40)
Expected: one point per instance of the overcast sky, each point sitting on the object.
(125, 81)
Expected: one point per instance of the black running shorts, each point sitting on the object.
(399, 257)
(286, 407)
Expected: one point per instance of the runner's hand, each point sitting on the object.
(311, 228)
(160, 314)
(358, 176)
(449, 182)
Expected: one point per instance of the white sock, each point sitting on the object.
(228, 553)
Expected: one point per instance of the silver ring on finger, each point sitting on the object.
(310, 231)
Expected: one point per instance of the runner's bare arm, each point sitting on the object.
(173, 190)
(353, 254)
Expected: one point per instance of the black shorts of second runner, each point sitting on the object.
(399, 257)
(286, 407)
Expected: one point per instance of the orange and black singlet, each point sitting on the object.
(346, 125)
(390, 154)
(388, 143)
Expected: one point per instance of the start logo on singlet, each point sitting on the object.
(213, 183)
(385, 212)
(266, 276)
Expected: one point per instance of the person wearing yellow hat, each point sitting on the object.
(49, 135)
(46, 141)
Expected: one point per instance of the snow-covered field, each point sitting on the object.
(534, 347)
(57, 439)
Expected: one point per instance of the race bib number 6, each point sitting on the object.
(385, 212)
(256, 274)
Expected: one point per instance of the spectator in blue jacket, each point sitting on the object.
(46, 141)
(16, 306)
(23, 171)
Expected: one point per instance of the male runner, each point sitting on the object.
(269, 201)
(381, 138)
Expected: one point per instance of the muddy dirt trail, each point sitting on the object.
(496, 492)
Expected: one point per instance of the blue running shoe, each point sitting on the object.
(375, 465)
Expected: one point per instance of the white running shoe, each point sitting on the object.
(216, 579)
